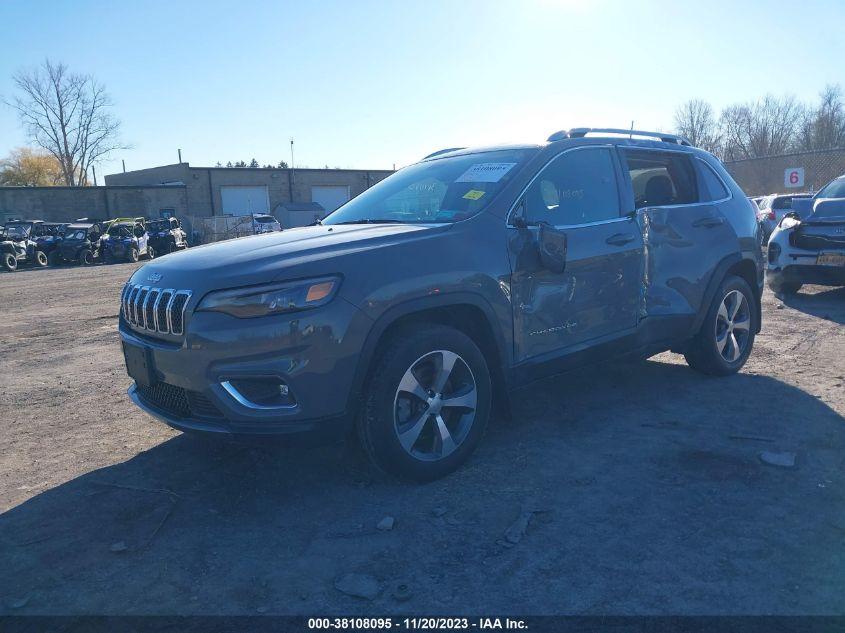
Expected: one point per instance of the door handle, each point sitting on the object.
(709, 223)
(620, 239)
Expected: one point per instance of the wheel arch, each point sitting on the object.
(742, 267)
(466, 312)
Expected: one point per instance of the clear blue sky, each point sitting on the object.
(369, 84)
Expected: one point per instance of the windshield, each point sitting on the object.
(833, 189)
(442, 190)
(75, 234)
(18, 231)
(156, 227)
(119, 230)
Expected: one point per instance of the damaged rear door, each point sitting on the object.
(685, 235)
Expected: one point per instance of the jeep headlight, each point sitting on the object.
(257, 301)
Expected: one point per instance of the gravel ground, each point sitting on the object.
(642, 487)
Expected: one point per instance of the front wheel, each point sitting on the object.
(726, 337)
(133, 254)
(427, 403)
(86, 257)
(10, 262)
(40, 259)
(151, 252)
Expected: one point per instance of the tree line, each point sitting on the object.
(769, 126)
(253, 163)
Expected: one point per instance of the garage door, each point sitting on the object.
(330, 197)
(245, 200)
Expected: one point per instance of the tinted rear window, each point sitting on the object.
(713, 187)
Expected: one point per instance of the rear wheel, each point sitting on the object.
(427, 404)
(151, 252)
(726, 337)
(86, 257)
(10, 262)
(40, 259)
(133, 254)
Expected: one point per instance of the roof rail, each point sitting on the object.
(581, 132)
(443, 151)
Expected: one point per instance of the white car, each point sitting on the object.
(810, 249)
(265, 224)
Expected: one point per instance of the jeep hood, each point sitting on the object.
(305, 251)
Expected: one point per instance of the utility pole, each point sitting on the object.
(180, 155)
(292, 179)
(124, 165)
(94, 169)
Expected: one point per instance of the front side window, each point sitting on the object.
(442, 190)
(661, 179)
(578, 187)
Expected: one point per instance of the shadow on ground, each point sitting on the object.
(644, 482)
(828, 304)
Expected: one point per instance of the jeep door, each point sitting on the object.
(677, 197)
(596, 296)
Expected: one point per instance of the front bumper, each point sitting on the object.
(314, 352)
(808, 274)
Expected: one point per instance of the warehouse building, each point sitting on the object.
(295, 196)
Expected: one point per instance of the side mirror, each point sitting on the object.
(552, 244)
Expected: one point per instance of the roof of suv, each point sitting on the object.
(578, 136)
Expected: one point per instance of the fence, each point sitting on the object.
(204, 230)
(762, 176)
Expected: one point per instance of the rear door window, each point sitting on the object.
(661, 179)
(578, 187)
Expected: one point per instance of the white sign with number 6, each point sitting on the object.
(793, 177)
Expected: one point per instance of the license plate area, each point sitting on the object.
(831, 259)
(139, 364)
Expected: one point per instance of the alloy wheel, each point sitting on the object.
(733, 326)
(435, 405)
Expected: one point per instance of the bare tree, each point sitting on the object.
(824, 126)
(763, 128)
(694, 120)
(68, 115)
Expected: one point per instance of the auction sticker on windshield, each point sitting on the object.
(486, 172)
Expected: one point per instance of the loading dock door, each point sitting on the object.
(245, 200)
(330, 197)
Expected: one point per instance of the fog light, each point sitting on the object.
(261, 392)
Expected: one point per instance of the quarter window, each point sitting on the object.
(579, 187)
(661, 179)
(712, 183)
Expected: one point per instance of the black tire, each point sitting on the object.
(10, 262)
(703, 353)
(40, 259)
(53, 259)
(86, 257)
(784, 287)
(377, 423)
(151, 253)
(133, 255)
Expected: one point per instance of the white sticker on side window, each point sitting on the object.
(485, 172)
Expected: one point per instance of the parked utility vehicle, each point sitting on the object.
(18, 246)
(166, 235)
(126, 241)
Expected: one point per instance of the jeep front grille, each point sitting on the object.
(154, 309)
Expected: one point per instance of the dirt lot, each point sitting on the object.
(646, 482)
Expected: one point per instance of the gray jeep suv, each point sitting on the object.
(414, 307)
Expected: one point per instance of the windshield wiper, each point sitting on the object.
(370, 221)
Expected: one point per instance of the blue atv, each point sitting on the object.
(126, 241)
